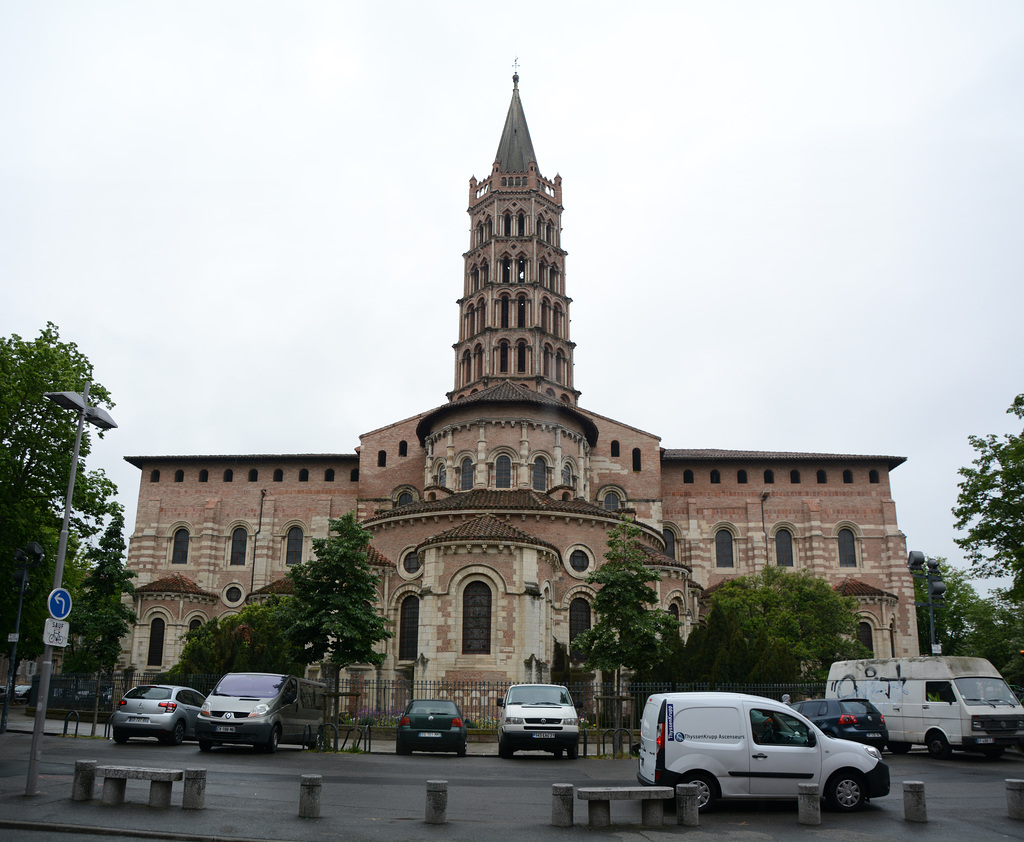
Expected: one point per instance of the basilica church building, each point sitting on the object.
(489, 511)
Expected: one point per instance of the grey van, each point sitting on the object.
(262, 710)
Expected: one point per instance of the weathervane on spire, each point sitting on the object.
(515, 65)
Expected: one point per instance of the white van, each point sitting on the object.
(737, 746)
(943, 703)
(538, 717)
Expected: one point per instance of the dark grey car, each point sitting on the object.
(847, 719)
(165, 711)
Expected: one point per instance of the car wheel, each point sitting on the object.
(504, 750)
(938, 745)
(993, 753)
(176, 736)
(845, 791)
(559, 752)
(205, 745)
(120, 736)
(707, 789)
(899, 748)
(573, 751)
(270, 746)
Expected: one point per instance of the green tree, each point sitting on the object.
(990, 506)
(628, 632)
(333, 617)
(36, 442)
(791, 625)
(253, 640)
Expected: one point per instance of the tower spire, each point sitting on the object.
(515, 149)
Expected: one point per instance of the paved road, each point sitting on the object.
(382, 797)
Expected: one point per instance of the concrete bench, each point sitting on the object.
(115, 778)
(652, 810)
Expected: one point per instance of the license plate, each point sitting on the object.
(983, 741)
(874, 736)
(138, 720)
(543, 736)
(226, 729)
(429, 734)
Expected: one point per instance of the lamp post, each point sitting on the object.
(100, 418)
(22, 563)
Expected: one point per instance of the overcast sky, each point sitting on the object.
(791, 226)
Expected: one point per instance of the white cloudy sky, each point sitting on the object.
(790, 225)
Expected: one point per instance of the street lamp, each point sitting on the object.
(935, 589)
(98, 417)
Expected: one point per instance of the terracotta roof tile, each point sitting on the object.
(377, 558)
(485, 499)
(282, 587)
(661, 560)
(175, 583)
(854, 587)
(487, 528)
(716, 455)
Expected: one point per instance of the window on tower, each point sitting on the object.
(503, 472)
(521, 357)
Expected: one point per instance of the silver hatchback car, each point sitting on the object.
(165, 711)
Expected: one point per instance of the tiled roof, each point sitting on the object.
(487, 528)
(715, 455)
(486, 499)
(506, 391)
(377, 558)
(139, 461)
(661, 560)
(175, 583)
(282, 586)
(854, 587)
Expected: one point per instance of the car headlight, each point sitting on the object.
(873, 752)
(570, 720)
(205, 709)
(513, 720)
(260, 710)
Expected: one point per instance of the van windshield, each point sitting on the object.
(536, 695)
(250, 686)
(985, 691)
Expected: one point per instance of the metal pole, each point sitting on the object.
(36, 753)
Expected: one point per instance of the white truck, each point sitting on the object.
(943, 703)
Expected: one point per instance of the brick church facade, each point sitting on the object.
(489, 511)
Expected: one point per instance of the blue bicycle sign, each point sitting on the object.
(59, 603)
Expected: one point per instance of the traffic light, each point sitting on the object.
(936, 587)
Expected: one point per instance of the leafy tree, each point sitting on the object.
(253, 640)
(628, 633)
(776, 624)
(990, 506)
(36, 443)
(333, 617)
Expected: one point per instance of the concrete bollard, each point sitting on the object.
(437, 802)
(85, 780)
(687, 812)
(809, 804)
(914, 808)
(1015, 798)
(194, 797)
(309, 796)
(561, 805)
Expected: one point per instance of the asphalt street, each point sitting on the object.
(381, 796)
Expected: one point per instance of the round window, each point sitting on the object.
(411, 563)
(233, 594)
(579, 561)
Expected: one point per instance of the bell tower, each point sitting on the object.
(514, 313)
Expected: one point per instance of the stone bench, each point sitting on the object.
(652, 810)
(115, 778)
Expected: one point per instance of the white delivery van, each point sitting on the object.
(943, 703)
(737, 746)
(538, 717)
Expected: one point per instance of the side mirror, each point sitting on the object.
(501, 703)
(812, 739)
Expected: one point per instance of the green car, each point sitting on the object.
(431, 725)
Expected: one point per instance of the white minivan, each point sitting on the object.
(738, 746)
(943, 703)
(538, 717)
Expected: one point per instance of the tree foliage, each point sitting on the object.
(628, 632)
(772, 626)
(333, 613)
(101, 619)
(36, 443)
(990, 506)
(253, 640)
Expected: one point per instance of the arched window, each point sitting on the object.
(522, 225)
(408, 629)
(611, 502)
(179, 553)
(504, 311)
(579, 621)
(559, 367)
(673, 609)
(204, 475)
(403, 448)
(503, 472)
(579, 561)
(521, 357)
(353, 475)
(769, 477)
(476, 619)
(741, 477)
(229, 475)
(253, 475)
(847, 549)
(405, 498)
(716, 477)
(873, 476)
(503, 357)
(784, 548)
(154, 476)
(508, 224)
(865, 636)
(382, 458)
(293, 550)
(179, 475)
(239, 541)
(670, 542)
(304, 475)
(540, 475)
(614, 449)
(466, 475)
(723, 548)
(688, 477)
(442, 475)
(794, 477)
(822, 477)
(520, 312)
(329, 475)
(194, 624)
(636, 458)
(278, 475)
(155, 656)
(567, 474)
(847, 476)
